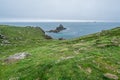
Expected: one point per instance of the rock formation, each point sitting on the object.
(58, 29)
(2, 36)
(16, 57)
(61, 39)
(48, 37)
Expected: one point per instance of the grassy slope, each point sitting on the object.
(78, 59)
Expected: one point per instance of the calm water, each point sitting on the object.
(74, 29)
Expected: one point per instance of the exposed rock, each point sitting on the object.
(115, 41)
(54, 31)
(37, 27)
(16, 57)
(102, 45)
(118, 62)
(111, 76)
(2, 36)
(5, 42)
(29, 26)
(89, 70)
(58, 29)
(48, 37)
(61, 39)
(14, 78)
(18, 38)
(64, 58)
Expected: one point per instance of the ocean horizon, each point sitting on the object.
(74, 29)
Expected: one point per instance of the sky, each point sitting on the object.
(41, 10)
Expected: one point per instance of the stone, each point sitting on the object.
(48, 37)
(89, 70)
(102, 45)
(14, 78)
(2, 36)
(111, 76)
(64, 58)
(61, 39)
(58, 29)
(16, 57)
(118, 63)
(115, 41)
(5, 42)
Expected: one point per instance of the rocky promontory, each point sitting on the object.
(58, 29)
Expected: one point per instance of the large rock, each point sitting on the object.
(58, 29)
(16, 57)
(111, 76)
(48, 37)
(61, 39)
(2, 36)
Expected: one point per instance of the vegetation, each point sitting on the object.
(86, 58)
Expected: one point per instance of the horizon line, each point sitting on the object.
(58, 21)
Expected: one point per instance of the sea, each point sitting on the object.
(73, 29)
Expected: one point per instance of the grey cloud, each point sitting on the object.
(60, 9)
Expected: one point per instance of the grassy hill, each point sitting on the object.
(86, 58)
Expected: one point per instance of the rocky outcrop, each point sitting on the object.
(2, 36)
(16, 57)
(48, 37)
(5, 42)
(61, 39)
(58, 29)
(45, 35)
(37, 27)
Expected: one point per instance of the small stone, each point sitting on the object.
(111, 76)
(102, 45)
(5, 42)
(14, 78)
(89, 70)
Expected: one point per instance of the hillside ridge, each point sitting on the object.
(90, 57)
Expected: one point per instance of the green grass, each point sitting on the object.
(77, 59)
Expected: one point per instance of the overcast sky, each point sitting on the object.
(60, 10)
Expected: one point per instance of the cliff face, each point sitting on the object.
(12, 34)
